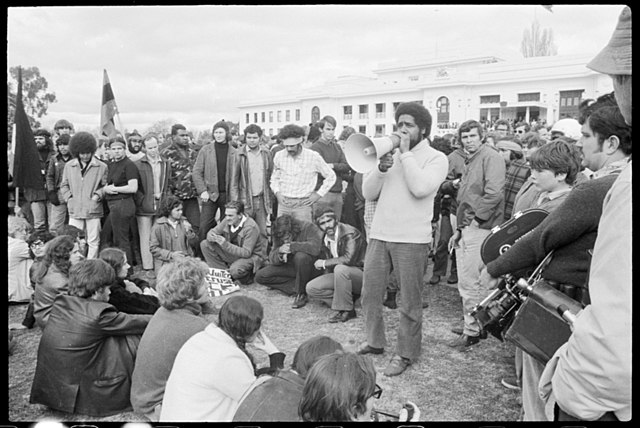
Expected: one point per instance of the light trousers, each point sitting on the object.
(58, 216)
(145, 222)
(340, 289)
(91, 227)
(470, 265)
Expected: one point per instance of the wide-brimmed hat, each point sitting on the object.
(615, 58)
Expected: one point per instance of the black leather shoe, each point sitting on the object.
(390, 301)
(463, 341)
(459, 331)
(343, 316)
(366, 349)
(453, 279)
(301, 300)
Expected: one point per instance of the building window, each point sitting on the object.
(569, 103)
(247, 118)
(364, 111)
(347, 112)
(297, 114)
(315, 114)
(279, 115)
(443, 107)
(262, 117)
(270, 116)
(489, 99)
(255, 117)
(380, 130)
(362, 129)
(414, 78)
(287, 116)
(528, 97)
(380, 107)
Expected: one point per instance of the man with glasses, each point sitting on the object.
(295, 175)
(521, 128)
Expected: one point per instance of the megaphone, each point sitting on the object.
(362, 152)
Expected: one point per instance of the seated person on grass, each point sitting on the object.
(296, 246)
(235, 244)
(182, 292)
(276, 397)
(36, 242)
(341, 262)
(127, 294)
(88, 347)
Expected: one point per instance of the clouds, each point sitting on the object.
(198, 63)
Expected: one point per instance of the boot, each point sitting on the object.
(390, 301)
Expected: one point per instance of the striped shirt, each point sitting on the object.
(296, 177)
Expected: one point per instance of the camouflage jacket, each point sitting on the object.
(180, 182)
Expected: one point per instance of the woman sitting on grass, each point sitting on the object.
(213, 369)
(127, 294)
(276, 398)
(172, 237)
(342, 387)
(52, 276)
(87, 350)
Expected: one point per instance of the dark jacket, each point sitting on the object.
(54, 172)
(334, 156)
(306, 238)
(351, 248)
(146, 203)
(240, 186)
(248, 243)
(86, 357)
(272, 398)
(205, 171)
(132, 303)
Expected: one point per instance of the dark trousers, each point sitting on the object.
(121, 213)
(291, 277)
(208, 215)
(442, 255)
(191, 210)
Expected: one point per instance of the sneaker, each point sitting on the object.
(453, 279)
(300, 301)
(343, 316)
(366, 349)
(397, 366)
(463, 341)
(510, 382)
(434, 279)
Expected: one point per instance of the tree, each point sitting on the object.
(536, 42)
(36, 97)
(162, 126)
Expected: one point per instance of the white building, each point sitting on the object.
(453, 90)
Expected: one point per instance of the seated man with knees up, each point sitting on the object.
(235, 244)
(341, 261)
(296, 246)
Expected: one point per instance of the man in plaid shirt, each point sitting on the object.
(517, 172)
(295, 175)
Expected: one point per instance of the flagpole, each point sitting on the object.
(124, 134)
(16, 207)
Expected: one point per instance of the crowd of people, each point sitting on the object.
(294, 216)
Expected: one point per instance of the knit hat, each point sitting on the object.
(222, 124)
(322, 209)
(509, 145)
(615, 58)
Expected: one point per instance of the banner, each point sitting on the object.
(108, 110)
(219, 282)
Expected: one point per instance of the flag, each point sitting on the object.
(109, 109)
(26, 160)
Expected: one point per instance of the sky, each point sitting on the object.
(197, 64)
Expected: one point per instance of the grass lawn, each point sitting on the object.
(447, 385)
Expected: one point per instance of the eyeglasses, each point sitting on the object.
(377, 392)
(520, 131)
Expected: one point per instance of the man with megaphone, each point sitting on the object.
(405, 183)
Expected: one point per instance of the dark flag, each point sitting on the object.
(26, 163)
(108, 110)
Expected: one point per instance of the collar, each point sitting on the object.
(612, 168)
(555, 194)
(234, 229)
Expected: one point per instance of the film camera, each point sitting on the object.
(530, 313)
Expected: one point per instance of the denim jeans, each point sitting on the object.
(340, 289)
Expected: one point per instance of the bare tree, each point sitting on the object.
(537, 42)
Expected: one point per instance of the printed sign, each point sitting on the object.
(220, 282)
